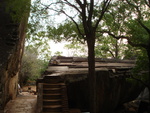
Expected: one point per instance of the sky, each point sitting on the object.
(54, 47)
(55, 20)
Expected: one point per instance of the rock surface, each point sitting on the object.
(12, 36)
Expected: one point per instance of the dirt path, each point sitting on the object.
(24, 103)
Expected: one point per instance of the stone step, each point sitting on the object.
(51, 90)
(53, 79)
(49, 112)
(52, 108)
(58, 85)
(52, 96)
(61, 83)
(52, 102)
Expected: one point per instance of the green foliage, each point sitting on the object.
(32, 67)
(123, 19)
(109, 47)
(142, 63)
(58, 53)
(36, 35)
(37, 19)
(141, 70)
(77, 49)
(66, 31)
(41, 43)
(102, 49)
(115, 17)
(138, 33)
(18, 8)
(131, 52)
(130, 19)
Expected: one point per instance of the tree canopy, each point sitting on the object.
(131, 21)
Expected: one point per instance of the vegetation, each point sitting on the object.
(32, 67)
(18, 9)
(130, 21)
(41, 43)
(77, 49)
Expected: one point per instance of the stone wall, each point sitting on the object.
(111, 92)
(113, 87)
(12, 36)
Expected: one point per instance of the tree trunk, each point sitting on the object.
(91, 72)
(117, 50)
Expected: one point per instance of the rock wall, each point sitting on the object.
(111, 92)
(12, 36)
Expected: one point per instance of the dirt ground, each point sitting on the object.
(24, 103)
(27, 88)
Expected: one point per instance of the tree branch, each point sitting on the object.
(111, 53)
(74, 23)
(84, 17)
(104, 8)
(79, 3)
(145, 27)
(62, 11)
(90, 12)
(124, 37)
(139, 15)
(111, 34)
(136, 7)
(75, 7)
(147, 2)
